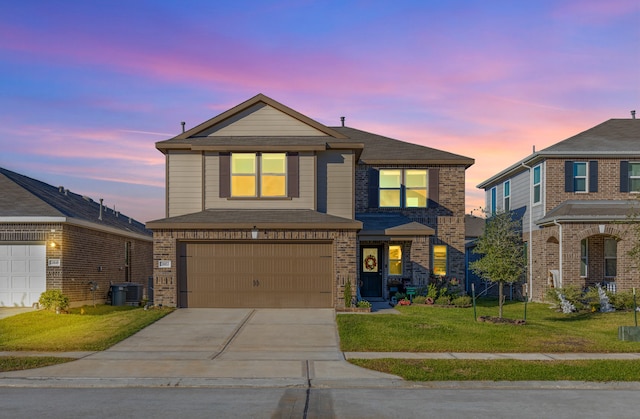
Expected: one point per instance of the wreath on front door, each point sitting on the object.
(370, 262)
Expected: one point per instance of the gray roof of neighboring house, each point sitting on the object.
(262, 219)
(473, 226)
(615, 138)
(377, 148)
(25, 198)
(381, 224)
(592, 211)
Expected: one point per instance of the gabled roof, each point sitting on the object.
(591, 211)
(375, 149)
(24, 199)
(615, 138)
(261, 219)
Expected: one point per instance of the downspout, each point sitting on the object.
(560, 255)
(530, 211)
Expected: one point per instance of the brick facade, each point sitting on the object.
(165, 246)
(85, 255)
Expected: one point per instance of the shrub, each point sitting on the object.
(363, 304)
(443, 300)
(432, 291)
(419, 299)
(591, 299)
(347, 293)
(53, 299)
(463, 300)
(621, 300)
(400, 296)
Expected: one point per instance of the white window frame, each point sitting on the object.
(538, 184)
(584, 258)
(394, 260)
(631, 163)
(585, 176)
(606, 258)
(506, 195)
(257, 175)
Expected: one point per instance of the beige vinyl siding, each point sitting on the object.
(335, 183)
(261, 119)
(305, 201)
(184, 183)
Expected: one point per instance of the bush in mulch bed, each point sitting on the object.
(498, 320)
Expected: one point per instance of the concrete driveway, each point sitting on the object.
(193, 347)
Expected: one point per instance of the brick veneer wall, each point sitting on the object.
(81, 251)
(165, 244)
(546, 256)
(447, 218)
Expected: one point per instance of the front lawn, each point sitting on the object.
(83, 329)
(423, 328)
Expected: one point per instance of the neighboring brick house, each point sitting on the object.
(51, 238)
(576, 198)
(266, 207)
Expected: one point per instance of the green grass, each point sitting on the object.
(95, 330)
(422, 328)
(15, 363)
(505, 370)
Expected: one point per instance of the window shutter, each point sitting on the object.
(293, 175)
(434, 187)
(225, 175)
(568, 176)
(593, 176)
(624, 176)
(374, 183)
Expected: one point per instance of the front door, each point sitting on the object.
(371, 271)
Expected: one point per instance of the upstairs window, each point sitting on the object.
(494, 194)
(629, 176)
(580, 177)
(243, 174)
(537, 185)
(272, 178)
(406, 188)
(506, 188)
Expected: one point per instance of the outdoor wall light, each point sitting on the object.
(254, 232)
(52, 244)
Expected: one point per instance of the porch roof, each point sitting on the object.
(390, 226)
(591, 211)
(262, 219)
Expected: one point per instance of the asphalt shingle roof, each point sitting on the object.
(591, 211)
(23, 196)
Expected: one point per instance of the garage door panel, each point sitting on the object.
(22, 274)
(258, 275)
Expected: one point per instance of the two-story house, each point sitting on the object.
(266, 207)
(576, 198)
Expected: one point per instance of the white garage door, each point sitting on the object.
(23, 274)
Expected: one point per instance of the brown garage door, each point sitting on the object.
(290, 275)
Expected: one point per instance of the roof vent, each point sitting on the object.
(100, 214)
(342, 120)
(182, 123)
(633, 114)
(61, 189)
(86, 198)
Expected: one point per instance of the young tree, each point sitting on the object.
(501, 245)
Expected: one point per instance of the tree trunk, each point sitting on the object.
(500, 298)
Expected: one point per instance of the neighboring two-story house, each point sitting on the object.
(266, 207)
(576, 198)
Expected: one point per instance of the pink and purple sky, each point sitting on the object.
(88, 87)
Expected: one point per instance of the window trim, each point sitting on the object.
(506, 197)
(606, 258)
(584, 258)
(493, 200)
(538, 184)
(390, 260)
(402, 188)
(585, 176)
(257, 175)
(446, 259)
(630, 177)
(382, 188)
